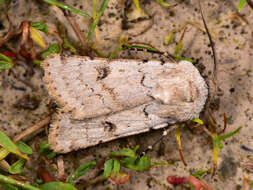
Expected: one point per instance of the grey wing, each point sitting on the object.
(68, 134)
(90, 88)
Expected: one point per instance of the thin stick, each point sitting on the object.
(212, 117)
(211, 43)
(79, 34)
(31, 130)
(147, 28)
(225, 123)
(9, 33)
(208, 132)
(75, 27)
(67, 7)
(94, 181)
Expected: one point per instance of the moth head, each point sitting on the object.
(174, 89)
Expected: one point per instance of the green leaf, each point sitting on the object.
(140, 164)
(1, 1)
(129, 46)
(8, 180)
(128, 161)
(108, 168)
(37, 37)
(40, 26)
(121, 42)
(199, 173)
(3, 153)
(67, 7)
(39, 181)
(179, 48)
(7, 143)
(197, 120)
(229, 134)
(53, 48)
(24, 148)
(159, 163)
(83, 169)
(217, 139)
(5, 58)
(95, 21)
(185, 59)
(17, 167)
(168, 38)
(241, 4)
(67, 45)
(37, 62)
(137, 4)
(218, 142)
(116, 166)
(57, 186)
(143, 164)
(5, 65)
(9, 187)
(94, 8)
(115, 52)
(125, 152)
(43, 147)
(163, 3)
(50, 155)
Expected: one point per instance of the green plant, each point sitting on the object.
(241, 5)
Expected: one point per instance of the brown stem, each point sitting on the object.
(9, 33)
(32, 130)
(250, 3)
(44, 175)
(94, 181)
(181, 156)
(79, 34)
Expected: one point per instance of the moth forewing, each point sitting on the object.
(105, 100)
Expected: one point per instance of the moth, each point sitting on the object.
(101, 100)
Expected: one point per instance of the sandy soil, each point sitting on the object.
(234, 47)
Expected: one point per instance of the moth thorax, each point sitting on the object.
(173, 90)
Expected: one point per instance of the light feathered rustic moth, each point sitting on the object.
(101, 100)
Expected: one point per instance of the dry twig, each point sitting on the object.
(33, 130)
(79, 34)
(94, 181)
(61, 170)
(211, 43)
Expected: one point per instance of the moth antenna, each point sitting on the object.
(165, 133)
